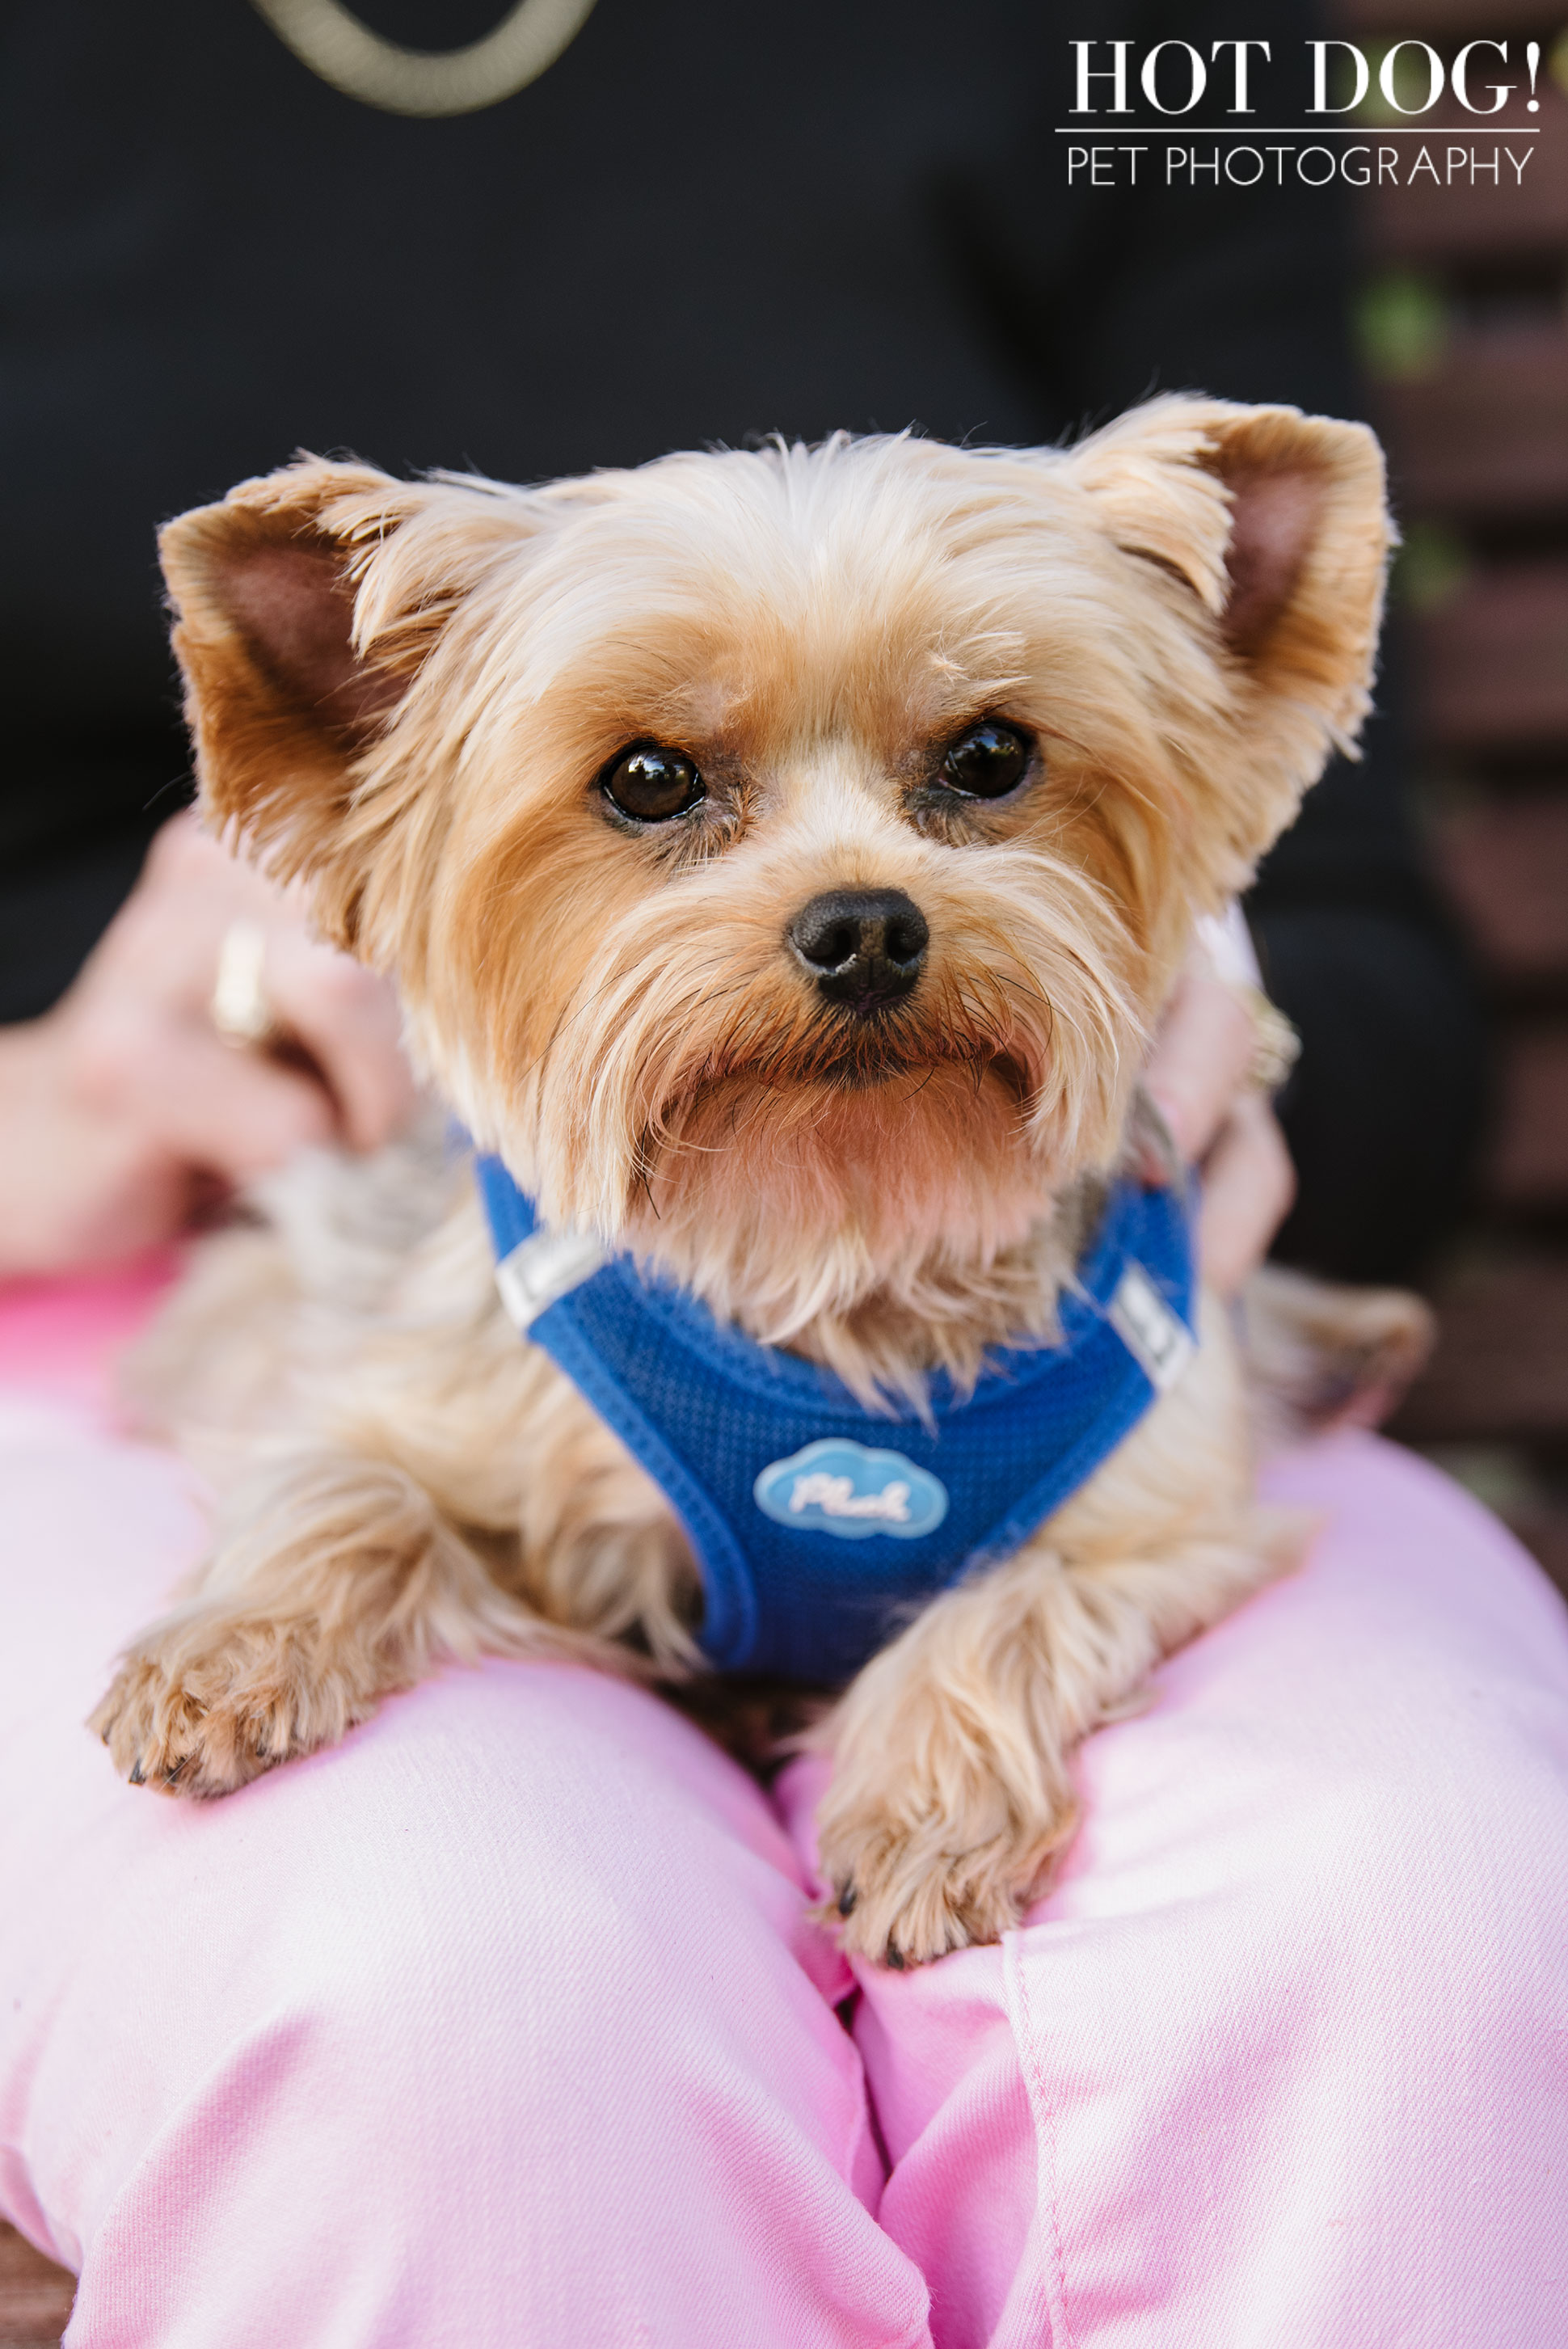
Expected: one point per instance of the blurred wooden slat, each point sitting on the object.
(1487, 432)
(1495, 661)
(1432, 220)
(1527, 1162)
(1505, 862)
(1544, 1533)
(1501, 1370)
(35, 2296)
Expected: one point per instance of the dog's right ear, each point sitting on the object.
(304, 605)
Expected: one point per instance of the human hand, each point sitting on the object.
(125, 1110)
(1200, 1077)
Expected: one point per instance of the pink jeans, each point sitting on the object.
(504, 2023)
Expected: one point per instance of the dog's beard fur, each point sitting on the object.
(870, 1191)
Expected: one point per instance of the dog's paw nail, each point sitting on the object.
(174, 1769)
(848, 1896)
(893, 1956)
(137, 1778)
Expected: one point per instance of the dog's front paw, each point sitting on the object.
(202, 1704)
(904, 1899)
(920, 1866)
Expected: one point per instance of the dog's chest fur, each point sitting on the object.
(359, 1306)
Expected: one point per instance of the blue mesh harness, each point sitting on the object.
(816, 1524)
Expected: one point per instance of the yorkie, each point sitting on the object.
(784, 857)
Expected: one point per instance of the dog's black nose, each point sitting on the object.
(864, 947)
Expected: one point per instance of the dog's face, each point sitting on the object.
(783, 854)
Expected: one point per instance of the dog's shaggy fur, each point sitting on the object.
(406, 694)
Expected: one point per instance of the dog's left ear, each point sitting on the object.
(1277, 524)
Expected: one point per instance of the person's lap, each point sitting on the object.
(505, 2022)
(1283, 2058)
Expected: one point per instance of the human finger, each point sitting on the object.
(85, 1190)
(159, 958)
(347, 1019)
(1201, 1061)
(174, 1083)
(1249, 1184)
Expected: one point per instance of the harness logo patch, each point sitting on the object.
(835, 1487)
(1159, 1342)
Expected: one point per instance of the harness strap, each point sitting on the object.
(817, 1524)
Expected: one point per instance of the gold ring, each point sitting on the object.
(1276, 1047)
(242, 1012)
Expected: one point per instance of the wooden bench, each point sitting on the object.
(34, 2297)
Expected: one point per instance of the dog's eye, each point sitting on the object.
(651, 783)
(987, 763)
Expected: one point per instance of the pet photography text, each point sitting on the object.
(1247, 113)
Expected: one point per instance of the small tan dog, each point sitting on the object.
(580, 766)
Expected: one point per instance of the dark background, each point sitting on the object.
(703, 222)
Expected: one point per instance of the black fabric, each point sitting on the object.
(1387, 1094)
(705, 221)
